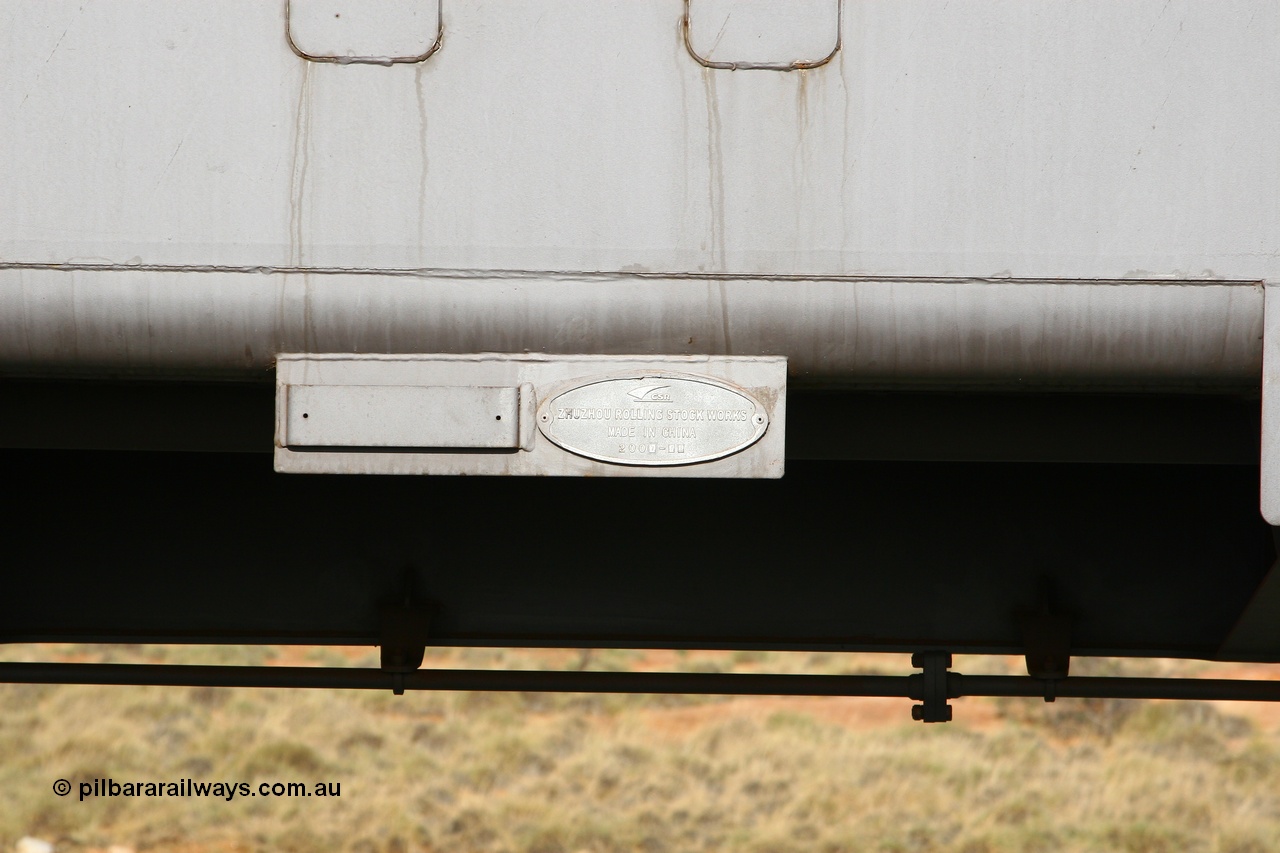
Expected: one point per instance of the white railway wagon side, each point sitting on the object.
(954, 194)
(988, 237)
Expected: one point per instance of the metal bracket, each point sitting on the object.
(1047, 646)
(405, 628)
(932, 684)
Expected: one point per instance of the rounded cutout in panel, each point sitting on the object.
(363, 32)
(763, 34)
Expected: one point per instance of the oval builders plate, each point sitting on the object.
(653, 419)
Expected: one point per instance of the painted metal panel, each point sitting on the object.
(761, 35)
(834, 332)
(690, 446)
(357, 31)
(387, 417)
(1079, 139)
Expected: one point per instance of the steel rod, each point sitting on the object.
(901, 686)
(176, 675)
(1110, 687)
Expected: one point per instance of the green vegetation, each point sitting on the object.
(532, 773)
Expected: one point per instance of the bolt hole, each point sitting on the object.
(498, 418)
(305, 415)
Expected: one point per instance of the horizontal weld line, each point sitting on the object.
(604, 275)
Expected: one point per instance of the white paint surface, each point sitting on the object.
(886, 333)
(1064, 138)
(372, 31)
(393, 416)
(763, 32)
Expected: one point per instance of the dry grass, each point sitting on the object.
(528, 773)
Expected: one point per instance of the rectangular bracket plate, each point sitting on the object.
(519, 415)
(390, 416)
